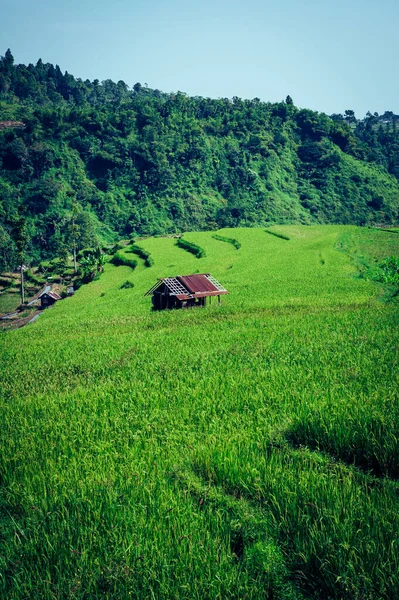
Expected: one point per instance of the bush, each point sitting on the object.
(387, 271)
(221, 238)
(115, 248)
(6, 282)
(190, 247)
(33, 279)
(278, 235)
(84, 253)
(143, 254)
(120, 259)
(127, 285)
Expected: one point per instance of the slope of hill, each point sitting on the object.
(245, 451)
(100, 160)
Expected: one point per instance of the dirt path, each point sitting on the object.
(46, 288)
(15, 320)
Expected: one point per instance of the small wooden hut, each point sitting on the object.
(185, 291)
(49, 298)
(8, 124)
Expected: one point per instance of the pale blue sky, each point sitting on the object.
(329, 55)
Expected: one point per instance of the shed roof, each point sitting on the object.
(190, 286)
(52, 295)
(197, 283)
(6, 124)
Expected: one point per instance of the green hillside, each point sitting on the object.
(243, 451)
(82, 162)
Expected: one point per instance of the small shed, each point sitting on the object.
(48, 298)
(8, 124)
(185, 291)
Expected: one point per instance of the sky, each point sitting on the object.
(328, 55)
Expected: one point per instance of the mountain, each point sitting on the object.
(82, 161)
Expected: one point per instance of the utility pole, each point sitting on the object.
(75, 230)
(21, 240)
(22, 268)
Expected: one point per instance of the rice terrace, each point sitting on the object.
(248, 450)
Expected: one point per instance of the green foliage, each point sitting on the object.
(32, 278)
(8, 301)
(279, 235)
(116, 247)
(222, 238)
(391, 230)
(387, 271)
(143, 254)
(8, 251)
(91, 264)
(127, 285)
(136, 161)
(119, 259)
(190, 247)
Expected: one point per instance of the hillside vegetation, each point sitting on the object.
(101, 160)
(243, 451)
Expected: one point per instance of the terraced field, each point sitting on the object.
(243, 451)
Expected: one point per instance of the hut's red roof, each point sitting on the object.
(197, 284)
(191, 286)
(52, 295)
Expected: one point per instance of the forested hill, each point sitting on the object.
(102, 159)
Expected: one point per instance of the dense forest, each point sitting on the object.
(84, 162)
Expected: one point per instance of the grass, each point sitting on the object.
(246, 451)
(10, 298)
(9, 301)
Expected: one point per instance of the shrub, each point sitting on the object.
(278, 235)
(127, 285)
(143, 254)
(386, 271)
(120, 259)
(115, 248)
(33, 279)
(221, 238)
(190, 247)
(6, 282)
(84, 253)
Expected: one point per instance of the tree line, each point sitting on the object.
(95, 161)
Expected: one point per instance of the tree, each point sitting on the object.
(20, 236)
(92, 264)
(79, 231)
(3, 84)
(350, 117)
(7, 62)
(7, 250)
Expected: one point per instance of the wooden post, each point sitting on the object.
(22, 285)
(219, 300)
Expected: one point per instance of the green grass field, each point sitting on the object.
(9, 301)
(244, 451)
